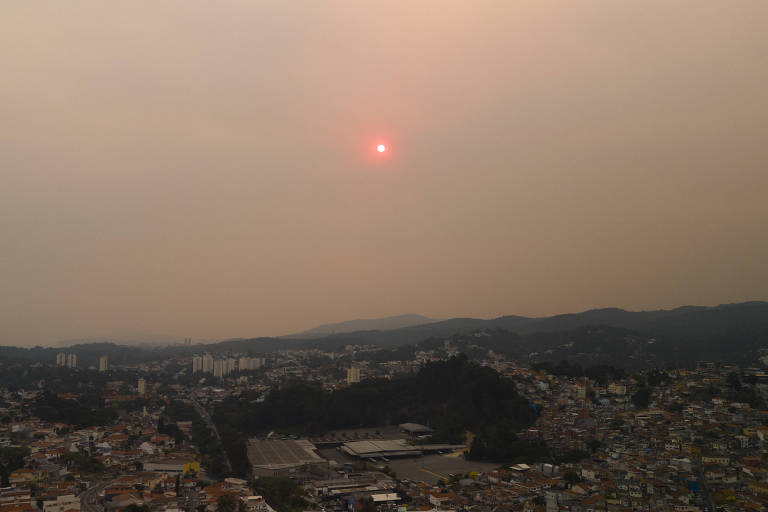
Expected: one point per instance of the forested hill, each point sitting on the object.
(451, 396)
(684, 323)
(365, 324)
(729, 332)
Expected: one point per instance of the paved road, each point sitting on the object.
(92, 492)
(211, 425)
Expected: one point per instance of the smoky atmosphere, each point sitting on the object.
(240, 169)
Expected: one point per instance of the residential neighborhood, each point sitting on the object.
(673, 439)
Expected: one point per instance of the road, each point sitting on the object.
(211, 425)
(92, 492)
(191, 500)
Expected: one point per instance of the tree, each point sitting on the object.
(572, 477)
(369, 505)
(642, 398)
(11, 458)
(136, 508)
(281, 493)
(227, 503)
(734, 381)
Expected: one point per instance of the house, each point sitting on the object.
(173, 466)
(255, 504)
(21, 476)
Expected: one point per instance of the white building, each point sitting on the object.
(61, 359)
(218, 368)
(197, 364)
(71, 360)
(250, 363)
(223, 367)
(103, 363)
(61, 503)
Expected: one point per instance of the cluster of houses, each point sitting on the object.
(694, 444)
(687, 450)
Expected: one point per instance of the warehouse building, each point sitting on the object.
(281, 457)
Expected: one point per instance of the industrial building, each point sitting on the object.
(414, 429)
(383, 449)
(281, 457)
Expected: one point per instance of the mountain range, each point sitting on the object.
(728, 332)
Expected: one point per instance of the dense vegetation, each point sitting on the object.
(210, 450)
(453, 397)
(50, 407)
(83, 462)
(601, 373)
(11, 458)
(283, 494)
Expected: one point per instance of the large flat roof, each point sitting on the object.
(381, 448)
(281, 453)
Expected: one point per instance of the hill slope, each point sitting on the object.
(364, 324)
(728, 332)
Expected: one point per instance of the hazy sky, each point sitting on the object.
(206, 169)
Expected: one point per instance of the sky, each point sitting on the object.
(208, 169)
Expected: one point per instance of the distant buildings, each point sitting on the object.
(68, 360)
(617, 388)
(207, 363)
(103, 363)
(353, 375)
(250, 363)
(142, 386)
(223, 367)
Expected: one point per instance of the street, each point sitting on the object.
(92, 492)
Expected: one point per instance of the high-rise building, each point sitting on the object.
(207, 363)
(353, 375)
(250, 363)
(61, 359)
(197, 364)
(103, 363)
(218, 368)
(223, 367)
(71, 360)
(142, 386)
